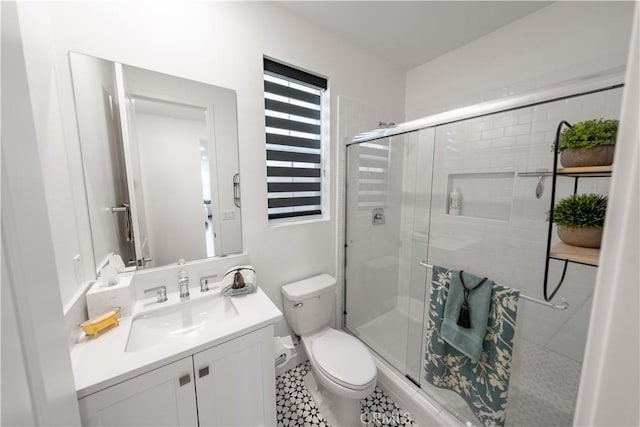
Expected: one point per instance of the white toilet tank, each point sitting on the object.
(310, 303)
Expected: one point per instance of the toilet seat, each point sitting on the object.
(344, 359)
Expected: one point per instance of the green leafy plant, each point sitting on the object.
(581, 211)
(589, 134)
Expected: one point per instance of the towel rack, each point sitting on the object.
(562, 306)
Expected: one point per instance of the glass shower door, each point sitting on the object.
(500, 232)
(398, 193)
(388, 205)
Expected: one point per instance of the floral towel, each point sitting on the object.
(484, 385)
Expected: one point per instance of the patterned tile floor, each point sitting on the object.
(295, 406)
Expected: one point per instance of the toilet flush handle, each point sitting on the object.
(298, 305)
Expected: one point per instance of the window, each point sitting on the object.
(293, 103)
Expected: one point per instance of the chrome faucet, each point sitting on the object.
(161, 293)
(183, 282)
(204, 282)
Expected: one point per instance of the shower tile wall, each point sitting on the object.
(508, 243)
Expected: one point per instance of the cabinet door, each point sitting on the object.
(236, 382)
(164, 396)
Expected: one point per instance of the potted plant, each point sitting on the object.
(580, 219)
(588, 143)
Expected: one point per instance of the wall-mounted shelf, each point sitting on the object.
(589, 171)
(565, 252)
(562, 251)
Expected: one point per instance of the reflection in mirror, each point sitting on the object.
(159, 156)
(169, 138)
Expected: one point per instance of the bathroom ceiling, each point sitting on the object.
(410, 33)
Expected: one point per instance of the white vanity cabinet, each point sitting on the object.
(236, 382)
(231, 384)
(155, 398)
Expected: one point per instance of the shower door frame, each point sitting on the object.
(599, 83)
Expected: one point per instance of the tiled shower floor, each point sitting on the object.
(296, 407)
(543, 391)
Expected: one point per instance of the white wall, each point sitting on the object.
(559, 42)
(63, 189)
(17, 409)
(42, 389)
(219, 43)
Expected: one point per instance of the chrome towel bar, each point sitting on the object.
(562, 306)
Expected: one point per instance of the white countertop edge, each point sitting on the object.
(101, 363)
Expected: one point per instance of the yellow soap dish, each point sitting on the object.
(93, 327)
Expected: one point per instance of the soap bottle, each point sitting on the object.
(454, 202)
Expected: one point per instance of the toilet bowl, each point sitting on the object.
(342, 368)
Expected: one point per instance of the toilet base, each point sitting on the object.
(339, 412)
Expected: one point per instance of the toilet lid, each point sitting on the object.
(344, 358)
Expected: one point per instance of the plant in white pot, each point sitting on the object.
(588, 143)
(580, 219)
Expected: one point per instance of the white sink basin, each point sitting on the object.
(186, 319)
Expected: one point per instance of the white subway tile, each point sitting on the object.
(543, 126)
(540, 115)
(480, 126)
(505, 120)
(518, 130)
(525, 118)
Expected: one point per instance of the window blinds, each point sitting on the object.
(293, 118)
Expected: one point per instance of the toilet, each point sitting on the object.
(342, 368)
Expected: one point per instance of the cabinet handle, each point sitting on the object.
(184, 380)
(203, 372)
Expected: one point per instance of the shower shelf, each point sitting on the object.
(561, 251)
(586, 172)
(565, 252)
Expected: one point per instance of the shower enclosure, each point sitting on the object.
(397, 215)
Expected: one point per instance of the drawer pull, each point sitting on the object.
(203, 372)
(184, 380)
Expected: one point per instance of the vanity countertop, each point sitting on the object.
(102, 362)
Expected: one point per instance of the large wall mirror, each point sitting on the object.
(160, 159)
